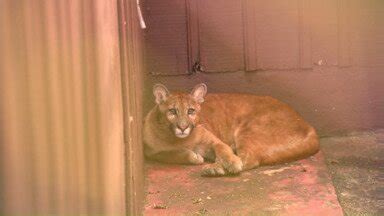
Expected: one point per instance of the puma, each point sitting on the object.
(236, 132)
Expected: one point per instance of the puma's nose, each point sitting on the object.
(182, 127)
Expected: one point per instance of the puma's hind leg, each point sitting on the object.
(257, 148)
(248, 151)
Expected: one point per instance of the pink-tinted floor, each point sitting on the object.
(299, 188)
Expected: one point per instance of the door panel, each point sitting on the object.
(277, 35)
(166, 37)
(221, 44)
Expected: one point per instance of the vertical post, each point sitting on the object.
(131, 62)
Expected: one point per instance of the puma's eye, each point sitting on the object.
(172, 111)
(191, 111)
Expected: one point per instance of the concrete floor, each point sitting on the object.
(356, 164)
(350, 164)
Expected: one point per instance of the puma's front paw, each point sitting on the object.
(214, 169)
(221, 167)
(195, 158)
(234, 165)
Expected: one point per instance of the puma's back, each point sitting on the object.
(274, 125)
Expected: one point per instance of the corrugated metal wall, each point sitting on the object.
(62, 130)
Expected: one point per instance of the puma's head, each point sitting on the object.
(180, 110)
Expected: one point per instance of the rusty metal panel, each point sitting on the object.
(166, 37)
(62, 149)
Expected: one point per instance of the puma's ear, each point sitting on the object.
(161, 93)
(199, 92)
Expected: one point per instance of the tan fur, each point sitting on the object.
(237, 131)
